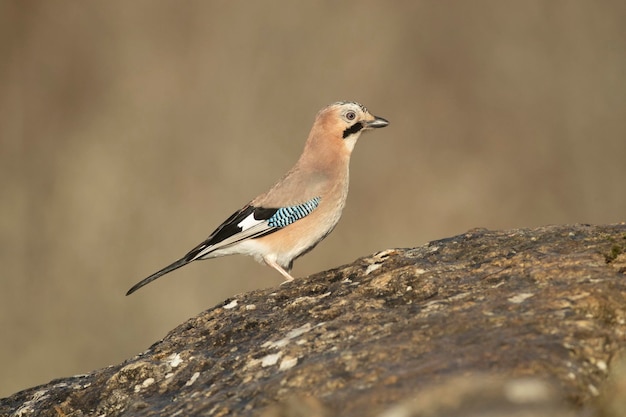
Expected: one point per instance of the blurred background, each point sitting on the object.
(130, 130)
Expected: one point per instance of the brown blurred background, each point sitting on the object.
(130, 130)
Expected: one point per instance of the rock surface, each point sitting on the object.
(527, 322)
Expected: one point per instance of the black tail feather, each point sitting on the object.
(179, 263)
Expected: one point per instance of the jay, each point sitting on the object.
(302, 208)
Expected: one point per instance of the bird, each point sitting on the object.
(302, 208)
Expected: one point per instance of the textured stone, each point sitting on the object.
(517, 323)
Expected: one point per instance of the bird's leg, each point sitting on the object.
(272, 263)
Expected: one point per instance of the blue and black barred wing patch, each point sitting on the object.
(284, 216)
(249, 223)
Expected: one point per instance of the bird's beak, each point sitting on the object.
(376, 123)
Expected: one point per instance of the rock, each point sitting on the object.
(489, 323)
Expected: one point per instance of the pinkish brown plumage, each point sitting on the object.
(302, 208)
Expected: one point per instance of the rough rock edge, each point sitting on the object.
(511, 322)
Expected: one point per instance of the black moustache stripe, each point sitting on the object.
(352, 129)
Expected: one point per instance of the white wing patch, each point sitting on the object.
(248, 222)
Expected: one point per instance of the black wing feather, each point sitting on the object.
(230, 227)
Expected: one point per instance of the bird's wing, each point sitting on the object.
(249, 223)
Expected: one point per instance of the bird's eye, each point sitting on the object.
(351, 115)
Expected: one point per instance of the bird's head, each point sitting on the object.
(345, 121)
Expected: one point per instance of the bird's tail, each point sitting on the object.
(181, 262)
